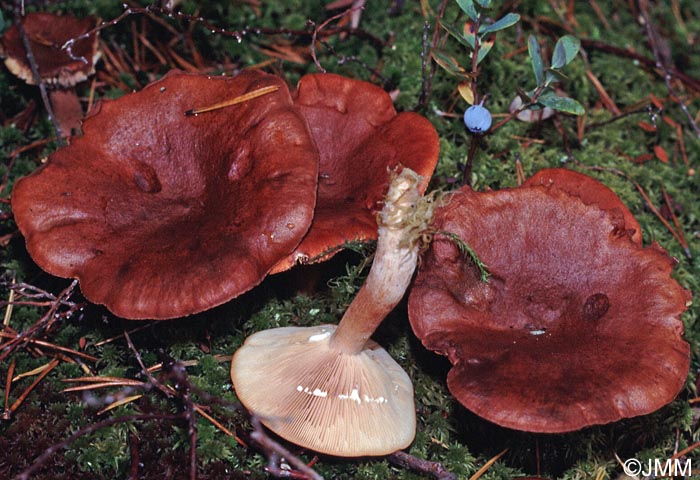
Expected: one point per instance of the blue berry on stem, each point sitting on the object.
(477, 119)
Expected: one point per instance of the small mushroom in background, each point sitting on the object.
(577, 325)
(591, 192)
(332, 389)
(529, 115)
(161, 215)
(360, 138)
(534, 113)
(47, 33)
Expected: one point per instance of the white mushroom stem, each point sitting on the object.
(402, 222)
(329, 388)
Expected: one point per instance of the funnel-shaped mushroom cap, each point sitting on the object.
(553, 342)
(590, 191)
(360, 138)
(161, 215)
(322, 399)
(47, 33)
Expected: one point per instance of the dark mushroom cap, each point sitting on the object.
(161, 215)
(47, 33)
(360, 138)
(577, 325)
(590, 191)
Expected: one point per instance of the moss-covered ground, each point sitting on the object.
(618, 147)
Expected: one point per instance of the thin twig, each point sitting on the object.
(434, 469)
(259, 436)
(662, 63)
(428, 82)
(45, 322)
(155, 383)
(318, 29)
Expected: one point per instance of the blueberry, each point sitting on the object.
(477, 119)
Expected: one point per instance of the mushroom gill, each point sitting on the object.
(329, 388)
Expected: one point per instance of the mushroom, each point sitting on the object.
(591, 192)
(161, 215)
(47, 33)
(360, 137)
(553, 341)
(332, 389)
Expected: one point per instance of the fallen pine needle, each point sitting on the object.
(52, 346)
(214, 422)
(10, 371)
(31, 373)
(116, 337)
(91, 386)
(234, 101)
(190, 363)
(686, 451)
(10, 304)
(41, 376)
(118, 403)
(487, 465)
(96, 379)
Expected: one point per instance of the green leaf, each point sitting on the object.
(484, 3)
(508, 20)
(484, 49)
(466, 40)
(552, 76)
(562, 104)
(448, 62)
(535, 52)
(524, 96)
(468, 7)
(565, 50)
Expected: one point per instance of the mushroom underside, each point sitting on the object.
(322, 399)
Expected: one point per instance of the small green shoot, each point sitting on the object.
(468, 254)
(543, 95)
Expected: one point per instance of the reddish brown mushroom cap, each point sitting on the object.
(47, 33)
(578, 325)
(161, 215)
(360, 137)
(590, 191)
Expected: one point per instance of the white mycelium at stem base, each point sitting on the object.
(329, 388)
